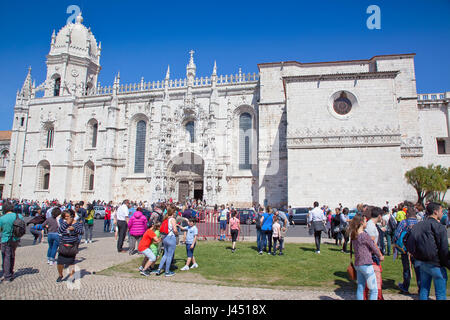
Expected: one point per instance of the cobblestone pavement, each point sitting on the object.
(35, 279)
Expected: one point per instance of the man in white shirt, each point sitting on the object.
(316, 220)
(122, 223)
(371, 227)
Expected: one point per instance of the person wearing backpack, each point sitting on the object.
(391, 226)
(407, 259)
(12, 230)
(428, 243)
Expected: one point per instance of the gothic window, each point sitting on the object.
(139, 156)
(89, 173)
(4, 158)
(190, 128)
(43, 174)
(342, 105)
(49, 137)
(57, 87)
(245, 141)
(93, 133)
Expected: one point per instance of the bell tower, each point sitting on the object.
(73, 63)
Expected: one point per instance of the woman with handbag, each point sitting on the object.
(69, 231)
(364, 248)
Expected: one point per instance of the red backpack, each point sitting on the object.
(164, 229)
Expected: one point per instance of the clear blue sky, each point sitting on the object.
(140, 38)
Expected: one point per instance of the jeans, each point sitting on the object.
(37, 235)
(407, 272)
(389, 237)
(106, 225)
(8, 258)
(170, 243)
(259, 239)
(88, 231)
(53, 243)
(280, 247)
(268, 239)
(366, 274)
(429, 272)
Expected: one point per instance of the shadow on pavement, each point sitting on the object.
(25, 271)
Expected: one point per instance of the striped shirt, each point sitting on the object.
(69, 236)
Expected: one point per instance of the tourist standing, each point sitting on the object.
(149, 260)
(266, 227)
(316, 222)
(9, 242)
(431, 253)
(372, 231)
(259, 232)
(223, 216)
(122, 223)
(69, 231)
(364, 248)
(51, 224)
(137, 225)
(407, 260)
(235, 227)
(107, 222)
(344, 228)
(336, 225)
(276, 234)
(191, 241)
(89, 223)
(169, 243)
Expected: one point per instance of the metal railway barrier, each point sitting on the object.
(209, 227)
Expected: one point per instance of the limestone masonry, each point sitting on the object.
(336, 132)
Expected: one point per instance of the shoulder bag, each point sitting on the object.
(351, 267)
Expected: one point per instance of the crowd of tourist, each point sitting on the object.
(416, 233)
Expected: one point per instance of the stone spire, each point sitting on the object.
(27, 87)
(191, 68)
(166, 88)
(213, 102)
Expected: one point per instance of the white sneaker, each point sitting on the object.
(90, 241)
(50, 263)
(194, 266)
(317, 251)
(85, 241)
(185, 268)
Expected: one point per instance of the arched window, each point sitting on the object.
(94, 135)
(89, 174)
(43, 175)
(245, 140)
(57, 87)
(50, 137)
(5, 158)
(190, 128)
(139, 155)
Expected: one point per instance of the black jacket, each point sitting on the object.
(431, 243)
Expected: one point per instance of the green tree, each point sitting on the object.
(426, 181)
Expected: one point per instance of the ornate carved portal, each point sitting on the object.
(185, 173)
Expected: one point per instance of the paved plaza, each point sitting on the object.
(35, 279)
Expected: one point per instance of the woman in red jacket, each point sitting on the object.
(137, 225)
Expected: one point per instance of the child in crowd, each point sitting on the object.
(147, 240)
(276, 234)
(191, 241)
(156, 246)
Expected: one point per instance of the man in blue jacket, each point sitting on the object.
(9, 243)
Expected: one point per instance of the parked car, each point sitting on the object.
(300, 215)
(351, 213)
(246, 216)
(99, 212)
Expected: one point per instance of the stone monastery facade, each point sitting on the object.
(336, 132)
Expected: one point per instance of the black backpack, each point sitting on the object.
(409, 240)
(19, 228)
(392, 223)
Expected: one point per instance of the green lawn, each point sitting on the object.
(300, 266)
